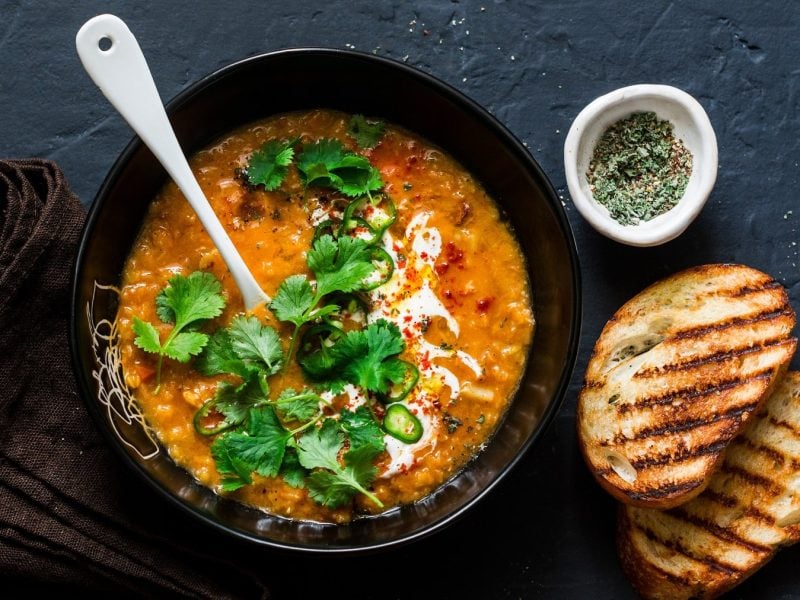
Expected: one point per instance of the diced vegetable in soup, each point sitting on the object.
(396, 336)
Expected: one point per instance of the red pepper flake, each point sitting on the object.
(407, 318)
(425, 361)
(441, 268)
(448, 294)
(423, 255)
(453, 253)
(484, 304)
(408, 333)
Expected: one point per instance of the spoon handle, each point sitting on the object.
(113, 59)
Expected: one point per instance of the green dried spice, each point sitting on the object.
(639, 169)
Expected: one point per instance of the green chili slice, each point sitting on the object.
(384, 215)
(202, 414)
(401, 388)
(401, 424)
(352, 226)
(384, 267)
(352, 303)
(375, 221)
(327, 227)
(316, 336)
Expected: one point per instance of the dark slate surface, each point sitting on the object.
(546, 531)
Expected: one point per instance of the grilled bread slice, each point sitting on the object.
(674, 377)
(749, 510)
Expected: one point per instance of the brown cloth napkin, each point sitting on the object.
(71, 515)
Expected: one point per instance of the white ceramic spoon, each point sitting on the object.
(113, 59)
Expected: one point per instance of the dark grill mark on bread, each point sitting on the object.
(675, 426)
(693, 392)
(725, 535)
(681, 455)
(778, 457)
(770, 314)
(779, 423)
(769, 486)
(665, 490)
(719, 498)
(680, 549)
(717, 357)
(768, 284)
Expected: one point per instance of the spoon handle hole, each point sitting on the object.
(105, 43)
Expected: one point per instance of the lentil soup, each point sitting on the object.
(449, 294)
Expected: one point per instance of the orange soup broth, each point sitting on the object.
(480, 277)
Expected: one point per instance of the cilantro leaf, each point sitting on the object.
(234, 403)
(322, 367)
(260, 448)
(186, 302)
(340, 265)
(366, 132)
(293, 300)
(298, 407)
(245, 348)
(331, 489)
(333, 484)
(292, 471)
(219, 357)
(185, 345)
(319, 448)
(260, 344)
(316, 161)
(147, 337)
(269, 164)
(326, 163)
(363, 430)
(189, 299)
(235, 474)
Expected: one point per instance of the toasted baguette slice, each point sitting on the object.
(749, 510)
(674, 377)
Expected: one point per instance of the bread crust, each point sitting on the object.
(675, 375)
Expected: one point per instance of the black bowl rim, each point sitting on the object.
(476, 111)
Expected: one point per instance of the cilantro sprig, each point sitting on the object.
(323, 163)
(331, 482)
(249, 351)
(305, 456)
(269, 165)
(339, 265)
(366, 132)
(364, 357)
(326, 163)
(186, 303)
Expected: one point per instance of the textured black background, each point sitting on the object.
(546, 530)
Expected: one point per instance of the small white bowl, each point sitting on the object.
(690, 123)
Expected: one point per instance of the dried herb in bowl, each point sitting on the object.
(639, 169)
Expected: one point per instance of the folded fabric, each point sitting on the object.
(71, 517)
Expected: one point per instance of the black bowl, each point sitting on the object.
(312, 78)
